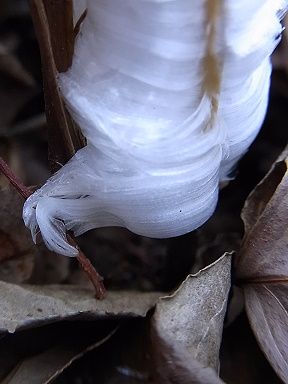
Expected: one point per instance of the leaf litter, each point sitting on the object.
(28, 306)
(45, 367)
(261, 265)
(188, 324)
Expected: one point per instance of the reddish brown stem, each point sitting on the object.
(90, 271)
(85, 263)
(53, 23)
(14, 180)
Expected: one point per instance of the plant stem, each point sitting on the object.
(91, 272)
(84, 262)
(14, 180)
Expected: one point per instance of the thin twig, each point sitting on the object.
(91, 272)
(14, 180)
(53, 23)
(84, 262)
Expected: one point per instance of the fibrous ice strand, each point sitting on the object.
(169, 94)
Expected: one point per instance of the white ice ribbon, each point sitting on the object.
(169, 94)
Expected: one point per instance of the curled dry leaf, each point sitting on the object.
(262, 267)
(45, 367)
(263, 255)
(266, 306)
(177, 365)
(124, 359)
(242, 361)
(17, 253)
(191, 321)
(260, 196)
(20, 260)
(29, 306)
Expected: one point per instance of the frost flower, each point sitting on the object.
(169, 94)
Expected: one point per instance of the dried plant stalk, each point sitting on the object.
(53, 22)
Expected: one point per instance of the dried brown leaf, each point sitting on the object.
(192, 320)
(242, 361)
(267, 306)
(124, 359)
(174, 364)
(262, 193)
(29, 306)
(20, 260)
(262, 267)
(45, 367)
(263, 255)
(17, 252)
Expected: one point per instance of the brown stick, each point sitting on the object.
(13, 179)
(51, 19)
(84, 262)
(91, 272)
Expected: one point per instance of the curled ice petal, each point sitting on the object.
(169, 95)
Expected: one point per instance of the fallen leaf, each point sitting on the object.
(17, 252)
(45, 367)
(266, 306)
(189, 323)
(262, 268)
(26, 306)
(20, 260)
(262, 193)
(263, 255)
(124, 359)
(242, 361)
(175, 365)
